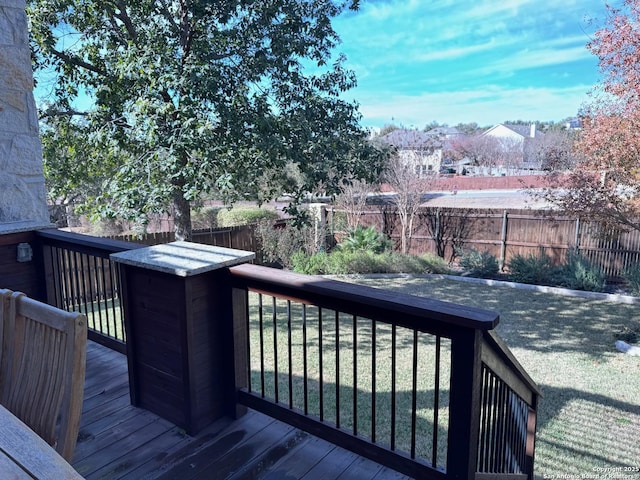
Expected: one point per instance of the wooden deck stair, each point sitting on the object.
(119, 441)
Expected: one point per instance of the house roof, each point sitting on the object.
(405, 139)
(445, 131)
(523, 130)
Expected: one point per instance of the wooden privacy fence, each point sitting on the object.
(240, 237)
(504, 234)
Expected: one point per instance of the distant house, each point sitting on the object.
(519, 140)
(445, 132)
(421, 150)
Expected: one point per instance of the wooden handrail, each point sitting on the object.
(86, 243)
(408, 310)
(497, 356)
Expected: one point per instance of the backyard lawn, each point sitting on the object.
(589, 417)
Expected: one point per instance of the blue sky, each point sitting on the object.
(484, 61)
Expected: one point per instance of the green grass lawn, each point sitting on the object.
(339, 370)
(589, 417)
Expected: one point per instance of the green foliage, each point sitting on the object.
(532, 269)
(245, 216)
(479, 264)
(365, 239)
(316, 264)
(632, 277)
(435, 263)
(578, 273)
(242, 100)
(282, 244)
(341, 262)
(206, 217)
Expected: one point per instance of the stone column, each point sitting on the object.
(22, 189)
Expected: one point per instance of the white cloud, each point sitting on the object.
(486, 106)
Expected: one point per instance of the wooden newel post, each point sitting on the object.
(464, 404)
(178, 306)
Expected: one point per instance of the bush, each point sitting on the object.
(206, 217)
(317, 264)
(578, 273)
(533, 269)
(341, 262)
(280, 244)
(434, 264)
(479, 264)
(632, 276)
(365, 239)
(244, 216)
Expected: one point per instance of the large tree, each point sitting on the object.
(238, 97)
(605, 183)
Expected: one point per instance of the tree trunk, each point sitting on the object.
(181, 215)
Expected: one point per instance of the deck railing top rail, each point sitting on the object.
(97, 246)
(365, 301)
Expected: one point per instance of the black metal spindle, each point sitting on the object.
(115, 295)
(304, 360)
(55, 283)
(436, 404)
(261, 326)
(103, 316)
(247, 326)
(320, 366)
(76, 271)
(393, 387)
(337, 369)
(373, 380)
(91, 276)
(289, 354)
(355, 374)
(80, 276)
(414, 394)
(275, 349)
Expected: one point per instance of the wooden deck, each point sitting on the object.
(120, 441)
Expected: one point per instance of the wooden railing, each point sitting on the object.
(80, 277)
(422, 386)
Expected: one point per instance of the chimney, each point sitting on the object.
(532, 134)
(22, 189)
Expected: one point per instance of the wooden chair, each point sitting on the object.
(42, 368)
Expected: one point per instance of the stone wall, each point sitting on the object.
(22, 190)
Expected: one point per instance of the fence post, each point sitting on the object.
(503, 240)
(577, 237)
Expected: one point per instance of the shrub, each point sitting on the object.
(479, 264)
(206, 217)
(533, 269)
(280, 245)
(244, 216)
(434, 264)
(317, 264)
(365, 239)
(632, 276)
(578, 273)
(341, 262)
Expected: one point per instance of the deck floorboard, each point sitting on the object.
(120, 441)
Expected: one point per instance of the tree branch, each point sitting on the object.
(126, 20)
(52, 112)
(78, 62)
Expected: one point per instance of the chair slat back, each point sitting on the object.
(42, 368)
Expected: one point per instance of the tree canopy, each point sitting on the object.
(236, 97)
(605, 183)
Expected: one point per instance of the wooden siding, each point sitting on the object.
(119, 441)
(16, 276)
